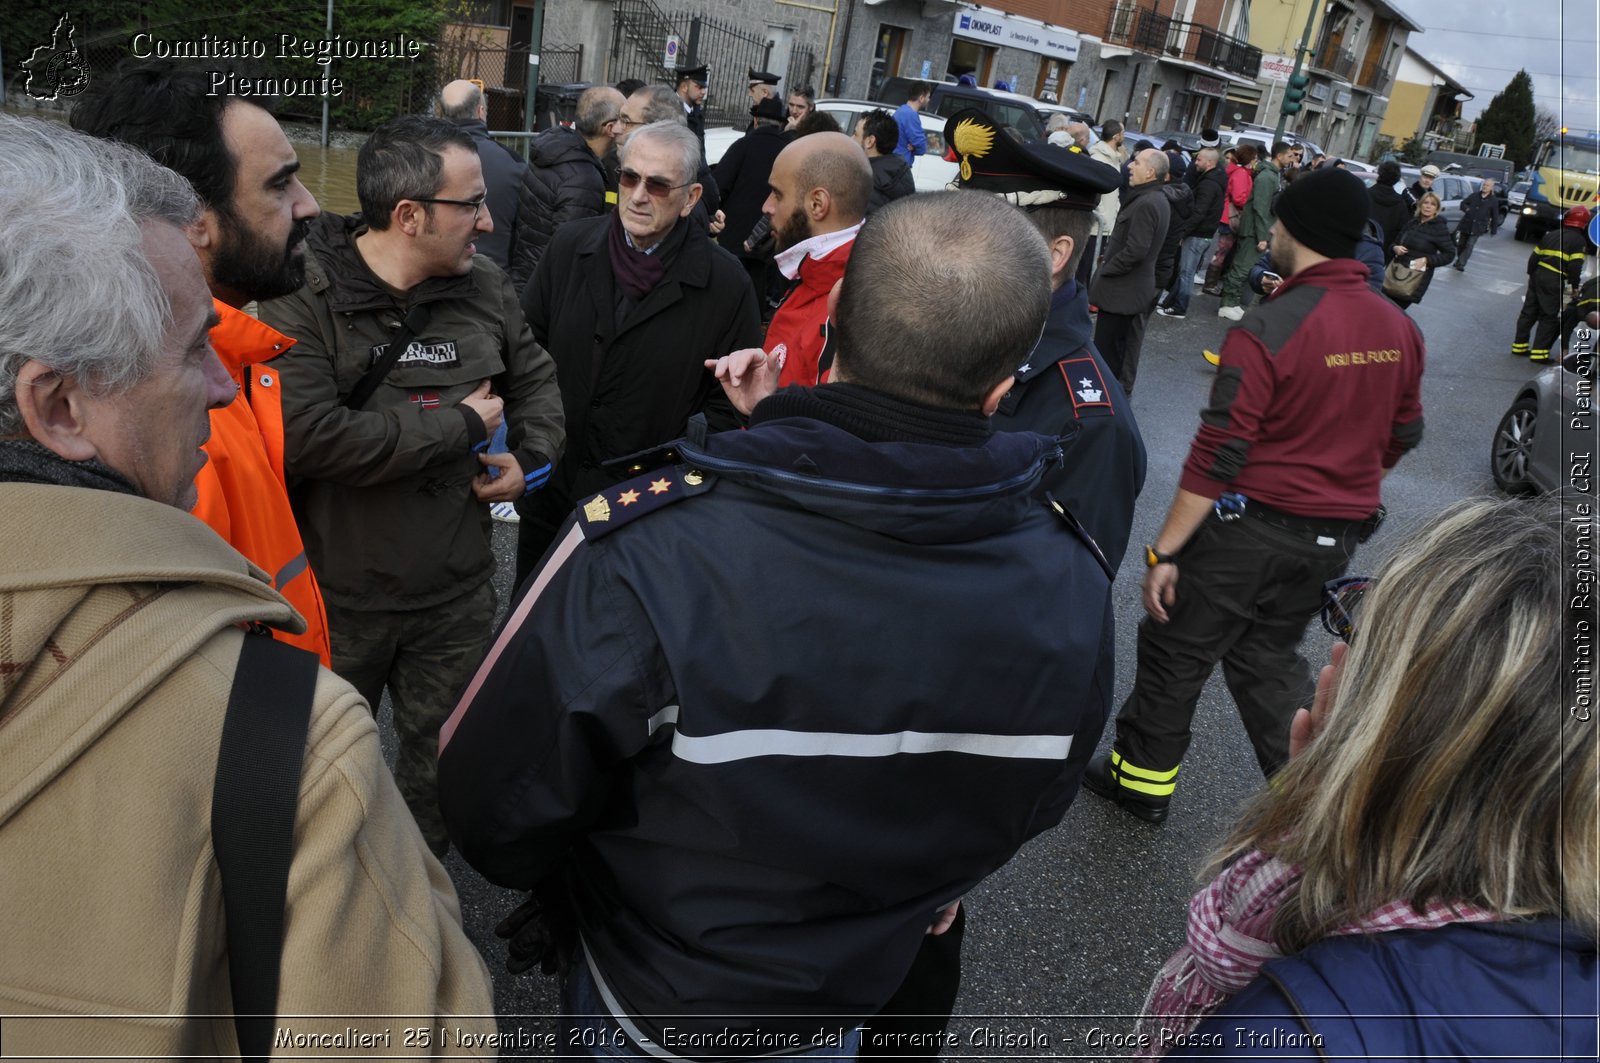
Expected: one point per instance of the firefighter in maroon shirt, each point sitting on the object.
(1316, 399)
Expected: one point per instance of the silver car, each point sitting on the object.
(1529, 454)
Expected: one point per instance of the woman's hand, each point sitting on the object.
(1308, 723)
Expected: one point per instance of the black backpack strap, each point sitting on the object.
(415, 321)
(252, 822)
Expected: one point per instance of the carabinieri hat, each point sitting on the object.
(763, 77)
(1029, 175)
(697, 74)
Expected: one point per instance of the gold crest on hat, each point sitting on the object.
(972, 139)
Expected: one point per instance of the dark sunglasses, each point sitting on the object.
(659, 187)
(1340, 597)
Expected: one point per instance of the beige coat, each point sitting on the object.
(1106, 212)
(117, 650)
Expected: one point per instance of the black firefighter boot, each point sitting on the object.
(1103, 778)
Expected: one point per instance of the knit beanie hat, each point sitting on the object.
(1326, 210)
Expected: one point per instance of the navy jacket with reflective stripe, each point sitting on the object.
(766, 733)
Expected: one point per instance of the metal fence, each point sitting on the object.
(640, 32)
(639, 49)
(802, 70)
(504, 73)
(731, 54)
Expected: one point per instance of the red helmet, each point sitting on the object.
(1577, 217)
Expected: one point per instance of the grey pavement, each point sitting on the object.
(1063, 942)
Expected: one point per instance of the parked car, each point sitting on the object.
(1008, 109)
(1189, 142)
(1046, 111)
(1451, 190)
(1230, 138)
(1528, 453)
(718, 140)
(1479, 166)
(930, 172)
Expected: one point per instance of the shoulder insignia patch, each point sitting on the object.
(1085, 384)
(626, 502)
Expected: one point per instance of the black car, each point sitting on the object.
(947, 99)
(1189, 142)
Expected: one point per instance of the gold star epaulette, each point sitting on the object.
(609, 510)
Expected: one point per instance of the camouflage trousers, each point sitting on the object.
(425, 658)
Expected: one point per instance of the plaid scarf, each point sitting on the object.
(1229, 938)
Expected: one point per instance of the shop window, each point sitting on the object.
(970, 57)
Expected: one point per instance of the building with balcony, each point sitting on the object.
(1155, 65)
(1425, 103)
(1351, 59)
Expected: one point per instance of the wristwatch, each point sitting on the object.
(1154, 557)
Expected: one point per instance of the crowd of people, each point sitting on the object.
(749, 731)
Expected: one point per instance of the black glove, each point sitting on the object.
(539, 932)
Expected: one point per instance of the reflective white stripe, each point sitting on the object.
(747, 745)
(518, 617)
(662, 718)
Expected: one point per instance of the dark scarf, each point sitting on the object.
(22, 461)
(638, 273)
(874, 416)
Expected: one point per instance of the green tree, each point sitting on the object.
(1413, 152)
(375, 89)
(1509, 119)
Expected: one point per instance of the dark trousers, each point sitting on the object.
(923, 1003)
(1246, 591)
(425, 657)
(1541, 306)
(1118, 338)
(1464, 245)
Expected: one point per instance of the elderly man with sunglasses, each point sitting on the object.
(414, 398)
(632, 305)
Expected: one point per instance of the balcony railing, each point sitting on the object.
(1375, 77)
(1147, 31)
(1340, 62)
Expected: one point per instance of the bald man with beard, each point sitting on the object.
(819, 185)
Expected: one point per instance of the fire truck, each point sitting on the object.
(1565, 173)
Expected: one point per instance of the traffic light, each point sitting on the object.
(1294, 93)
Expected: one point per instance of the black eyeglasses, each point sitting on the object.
(475, 204)
(630, 122)
(659, 187)
(1340, 597)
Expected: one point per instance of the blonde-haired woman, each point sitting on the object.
(1433, 850)
(1424, 244)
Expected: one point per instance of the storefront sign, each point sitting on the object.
(1276, 67)
(997, 27)
(1207, 85)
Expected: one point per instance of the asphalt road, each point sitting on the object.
(1062, 943)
